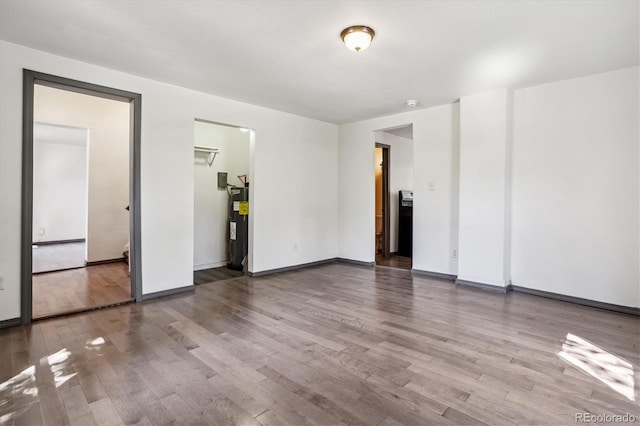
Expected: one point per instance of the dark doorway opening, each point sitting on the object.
(382, 217)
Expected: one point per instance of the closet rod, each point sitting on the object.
(205, 149)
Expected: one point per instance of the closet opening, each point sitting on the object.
(222, 205)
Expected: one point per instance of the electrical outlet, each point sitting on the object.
(41, 231)
(455, 253)
(295, 246)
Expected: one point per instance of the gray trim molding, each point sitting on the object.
(483, 286)
(578, 300)
(29, 79)
(549, 295)
(430, 274)
(290, 268)
(135, 215)
(169, 292)
(103, 262)
(58, 270)
(84, 310)
(10, 322)
(355, 262)
(50, 243)
(26, 232)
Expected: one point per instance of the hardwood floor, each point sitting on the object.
(215, 274)
(394, 261)
(76, 289)
(54, 257)
(331, 345)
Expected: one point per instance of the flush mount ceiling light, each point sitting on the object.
(412, 103)
(357, 37)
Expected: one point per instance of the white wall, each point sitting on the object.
(484, 188)
(297, 164)
(294, 175)
(294, 192)
(576, 188)
(108, 163)
(211, 203)
(59, 189)
(400, 177)
(435, 159)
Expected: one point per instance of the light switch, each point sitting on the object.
(432, 186)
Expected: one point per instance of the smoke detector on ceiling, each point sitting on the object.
(412, 103)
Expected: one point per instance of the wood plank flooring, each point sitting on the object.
(205, 276)
(335, 344)
(76, 289)
(394, 261)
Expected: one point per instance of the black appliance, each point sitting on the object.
(405, 223)
(238, 227)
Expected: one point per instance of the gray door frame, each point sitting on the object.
(30, 78)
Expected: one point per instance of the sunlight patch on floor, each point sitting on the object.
(21, 387)
(58, 364)
(610, 369)
(20, 392)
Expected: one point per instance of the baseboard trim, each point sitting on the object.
(431, 274)
(355, 262)
(484, 286)
(59, 270)
(10, 322)
(578, 300)
(83, 310)
(103, 262)
(290, 268)
(213, 265)
(49, 243)
(169, 292)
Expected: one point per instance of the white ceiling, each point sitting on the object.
(287, 55)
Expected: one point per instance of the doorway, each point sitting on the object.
(382, 201)
(60, 179)
(222, 179)
(394, 196)
(80, 197)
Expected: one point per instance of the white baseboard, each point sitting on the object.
(210, 265)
